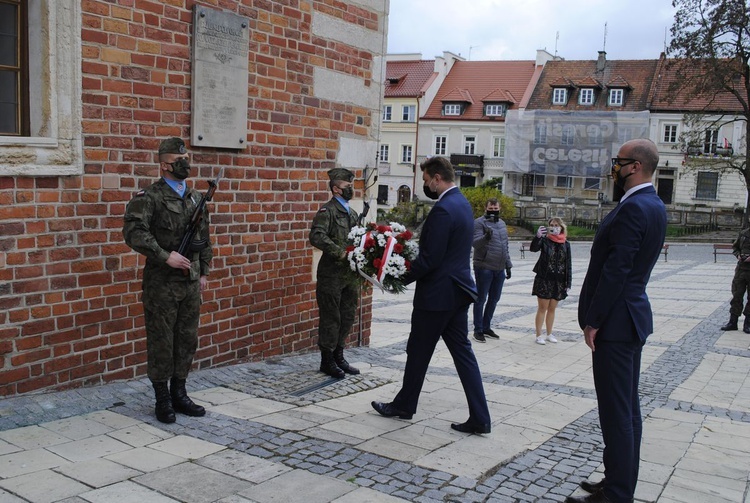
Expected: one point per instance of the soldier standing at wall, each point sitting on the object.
(740, 283)
(155, 222)
(336, 291)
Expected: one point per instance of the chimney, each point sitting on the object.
(601, 61)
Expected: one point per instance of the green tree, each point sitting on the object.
(478, 197)
(711, 48)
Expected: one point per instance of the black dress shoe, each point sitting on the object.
(592, 487)
(468, 427)
(597, 497)
(479, 337)
(491, 334)
(388, 410)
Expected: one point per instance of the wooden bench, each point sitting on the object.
(722, 249)
(525, 246)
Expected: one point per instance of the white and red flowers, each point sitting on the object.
(382, 254)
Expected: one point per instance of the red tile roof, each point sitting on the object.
(638, 74)
(458, 94)
(479, 79)
(499, 96)
(664, 98)
(412, 78)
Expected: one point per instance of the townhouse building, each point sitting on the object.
(580, 112)
(411, 84)
(578, 115)
(699, 139)
(466, 120)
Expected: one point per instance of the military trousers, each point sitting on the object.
(740, 286)
(171, 311)
(337, 305)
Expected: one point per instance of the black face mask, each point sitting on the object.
(432, 194)
(493, 215)
(181, 168)
(619, 179)
(347, 193)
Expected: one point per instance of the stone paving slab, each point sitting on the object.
(281, 431)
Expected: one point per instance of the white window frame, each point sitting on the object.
(715, 183)
(568, 136)
(616, 97)
(670, 133)
(592, 183)
(55, 147)
(586, 96)
(385, 152)
(540, 180)
(440, 144)
(407, 154)
(498, 146)
(710, 141)
(559, 95)
(387, 113)
(495, 109)
(408, 113)
(452, 109)
(540, 134)
(470, 144)
(563, 182)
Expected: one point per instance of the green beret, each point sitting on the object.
(340, 174)
(172, 146)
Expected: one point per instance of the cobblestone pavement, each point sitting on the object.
(279, 431)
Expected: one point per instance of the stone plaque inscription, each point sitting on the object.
(219, 96)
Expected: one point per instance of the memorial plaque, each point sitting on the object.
(221, 42)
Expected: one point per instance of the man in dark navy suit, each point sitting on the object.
(615, 315)
(445, 289)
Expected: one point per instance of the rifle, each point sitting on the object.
(188, 243)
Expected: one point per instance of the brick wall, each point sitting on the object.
(70, 311)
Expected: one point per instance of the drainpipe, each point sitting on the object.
(416, 149)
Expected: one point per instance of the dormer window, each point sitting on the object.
(495, 109)
(586, 96)
(452, 109)
(616, 97)
(559, 96)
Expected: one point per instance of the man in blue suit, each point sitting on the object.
(445, 289)
(615, 315)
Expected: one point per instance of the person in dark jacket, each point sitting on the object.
(740, 283)
(492, 267)
(553, 274)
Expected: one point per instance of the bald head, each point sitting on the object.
(645, 151)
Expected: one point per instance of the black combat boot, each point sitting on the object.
(164, 410)
(338, 357)
(732, 323)
(328, 365)
(182, 403)
(746, 325)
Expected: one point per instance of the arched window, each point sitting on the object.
(404, 194)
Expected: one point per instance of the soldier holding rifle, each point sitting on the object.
(168, 223)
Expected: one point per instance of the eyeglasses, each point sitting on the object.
(621, 162)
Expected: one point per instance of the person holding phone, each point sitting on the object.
(553, 274)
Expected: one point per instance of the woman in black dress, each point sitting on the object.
(553, 274)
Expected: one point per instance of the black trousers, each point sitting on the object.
(426, 329)
(617, 367)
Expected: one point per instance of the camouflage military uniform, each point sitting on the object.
(155, 221)
(336, 291)
(741, 280)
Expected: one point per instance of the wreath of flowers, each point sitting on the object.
(382, 254)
